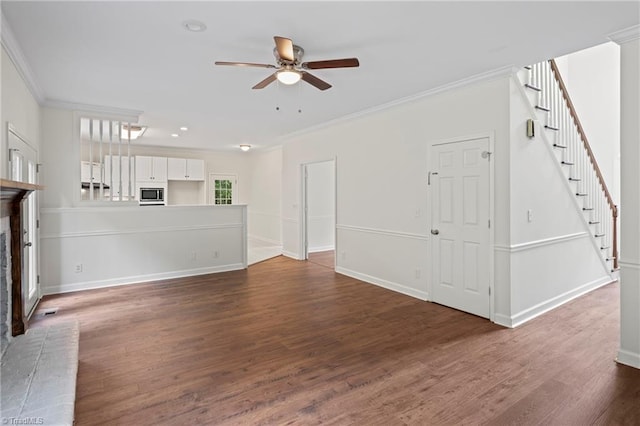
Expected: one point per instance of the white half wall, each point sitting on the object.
(84, 248)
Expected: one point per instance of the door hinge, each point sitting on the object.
(38, 279)
(38, 223)
(489, 291)
(429, 177)
(38, 167)
(489, 223)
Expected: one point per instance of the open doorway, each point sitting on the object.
(319, 213)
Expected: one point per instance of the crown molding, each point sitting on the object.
(98, 109)
(14, 51)
(477, 78)
(626, 35)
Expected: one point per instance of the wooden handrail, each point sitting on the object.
(592, 158)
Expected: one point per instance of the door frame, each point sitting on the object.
(303, 217)
(491, 137)
(35, 233)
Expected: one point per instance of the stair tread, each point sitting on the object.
(575, 179)
(543, 108)
(599, 235)
(555, 145)
(532, 87)
(568, 163)
(581, 194)
(551, 127)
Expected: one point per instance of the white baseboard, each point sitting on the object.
(628, 358)
(291, 254)
(138, 279)
(543, 307)
(321, 248)
(418, 294)
(503, 320)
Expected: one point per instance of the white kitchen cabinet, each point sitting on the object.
(89, 174)
(152, 169)
(112, 176)
(185, 169)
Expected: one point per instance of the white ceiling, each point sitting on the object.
(136, 55)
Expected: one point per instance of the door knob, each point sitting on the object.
(435, 232)
(28, 244)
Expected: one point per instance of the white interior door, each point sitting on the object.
(23, 160)
(460, 240)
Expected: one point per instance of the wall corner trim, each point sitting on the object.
(14, 51)
(626, 35)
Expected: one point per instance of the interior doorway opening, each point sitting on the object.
(319, 212)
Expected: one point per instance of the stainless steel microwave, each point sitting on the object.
(152, 196)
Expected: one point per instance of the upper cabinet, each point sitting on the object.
(185, 169)
(151, 168)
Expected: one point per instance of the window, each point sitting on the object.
(106, 166)
(223, 189)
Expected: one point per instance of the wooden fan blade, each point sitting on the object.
(332, 63)
(267, 81)
(245, 64)
(285, 48)
(315, 81)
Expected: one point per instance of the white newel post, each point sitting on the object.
(629, 41)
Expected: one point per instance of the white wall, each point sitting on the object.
(592, 77)
(321, 218)
(381, 157)
(265, 196)
(18, 107)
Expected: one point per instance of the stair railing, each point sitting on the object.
(562, 119)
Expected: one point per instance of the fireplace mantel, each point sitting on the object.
(12, 194)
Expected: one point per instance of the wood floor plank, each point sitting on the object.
(290, 342)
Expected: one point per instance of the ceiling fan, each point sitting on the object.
(289, 68)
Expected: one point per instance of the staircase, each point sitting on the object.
(564, 132)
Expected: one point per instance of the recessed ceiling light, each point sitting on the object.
(184, 129)
(245, 147)
(174, 135)
(194, 26)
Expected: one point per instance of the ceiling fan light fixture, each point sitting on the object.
(288, 77)
(245, 147)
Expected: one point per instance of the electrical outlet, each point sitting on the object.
(78, 268)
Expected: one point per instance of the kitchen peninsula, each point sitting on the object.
(95, 246)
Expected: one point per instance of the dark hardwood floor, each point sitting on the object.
(289, 342)
(323, 258)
